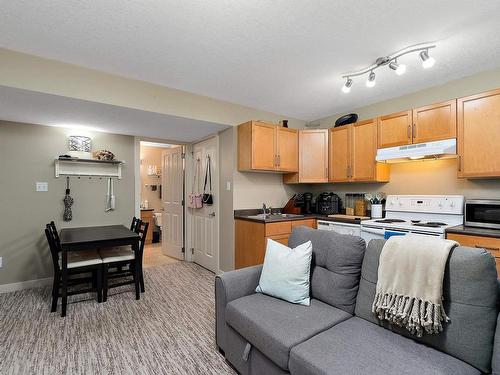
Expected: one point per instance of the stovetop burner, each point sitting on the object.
(390, 221)
(430, 224)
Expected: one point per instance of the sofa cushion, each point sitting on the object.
(356, 346)
(470, 301)
(274, 326)
(336, 265)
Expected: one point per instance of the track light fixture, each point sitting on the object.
(392, 62)
(370, 82)
(347, 87)
(427, 61)
(400, 69)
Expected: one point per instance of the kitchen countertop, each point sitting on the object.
(473, 231)
(243, 215)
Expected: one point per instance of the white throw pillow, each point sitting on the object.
(285, 273)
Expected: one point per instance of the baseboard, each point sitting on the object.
(28, 284)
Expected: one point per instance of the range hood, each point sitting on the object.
(429, 150)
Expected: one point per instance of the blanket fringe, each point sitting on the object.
(415, 315)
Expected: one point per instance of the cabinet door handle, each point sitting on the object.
(460, 163)
(487, 248)
(414, 131)
(326, 172)
(279, 160)
(408, 132)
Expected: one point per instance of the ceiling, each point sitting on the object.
(53, 110)
(283, 56)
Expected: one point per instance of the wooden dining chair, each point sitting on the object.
(135, 222)
(115, 259)
(79, 262)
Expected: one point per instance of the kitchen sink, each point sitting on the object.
(274, 216)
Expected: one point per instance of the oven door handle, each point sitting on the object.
(373, 230)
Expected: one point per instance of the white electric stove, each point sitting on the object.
(422, 215)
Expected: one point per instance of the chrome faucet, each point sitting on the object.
(264, 209)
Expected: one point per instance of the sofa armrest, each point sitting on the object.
(228, 287)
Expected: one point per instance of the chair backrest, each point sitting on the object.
(54, 244)
(469, 298)
(134, 224)
(336, 265)
(142, 229)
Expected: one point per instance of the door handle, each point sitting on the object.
(414, 131)
(212, 214)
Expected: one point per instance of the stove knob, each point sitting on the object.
(452, 204)
(440, 204)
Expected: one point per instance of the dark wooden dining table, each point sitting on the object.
(84, 238)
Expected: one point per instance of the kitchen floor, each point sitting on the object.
(153, 256)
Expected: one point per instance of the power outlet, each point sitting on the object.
(42, 186)
(1, 262)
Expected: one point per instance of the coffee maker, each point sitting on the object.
(328, 204)
(307, 208)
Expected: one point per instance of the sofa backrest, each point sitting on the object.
(470, 301)
(336, 265)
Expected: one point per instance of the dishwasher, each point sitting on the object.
(340, 227)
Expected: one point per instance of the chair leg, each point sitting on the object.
(137, 276)
(105, 268)
(141, 280)
(55, 292)
(99, 284)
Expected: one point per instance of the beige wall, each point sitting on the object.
(27, 154)
(150, 156)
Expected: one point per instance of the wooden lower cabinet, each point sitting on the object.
(147, 217)
(251, 238)
(490, 244)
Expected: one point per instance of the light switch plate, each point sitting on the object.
(1, 262)
(42, 186)
(228, 185)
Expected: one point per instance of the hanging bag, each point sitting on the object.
(195, 198)
(208, 198)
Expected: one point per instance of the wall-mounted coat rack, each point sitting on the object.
(88, 167)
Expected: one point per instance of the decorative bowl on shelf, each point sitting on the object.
(104, 155)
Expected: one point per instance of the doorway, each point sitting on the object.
(161, 196)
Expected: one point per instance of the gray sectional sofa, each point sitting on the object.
(338, 334)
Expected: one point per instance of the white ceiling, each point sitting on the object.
(52, 110)
(284, 56)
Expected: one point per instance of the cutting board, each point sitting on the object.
(349, 217)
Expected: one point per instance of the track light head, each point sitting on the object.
(347, 86)
(427, 61)
(371, 80)
(398, 68)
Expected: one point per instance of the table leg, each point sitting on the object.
(64, 291)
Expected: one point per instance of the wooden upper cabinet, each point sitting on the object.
(435, 122)
(287, 149)
(266, 147)
(479, 135)
(313, 157)
(364, 149)
(340, 153)
(395, 129)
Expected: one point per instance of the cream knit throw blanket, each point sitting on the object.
(410, 283)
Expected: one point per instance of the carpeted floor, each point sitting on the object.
(170, 330)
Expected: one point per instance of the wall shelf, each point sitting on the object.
(88, 167)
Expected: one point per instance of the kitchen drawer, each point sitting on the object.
(311, 223)
(281, 238)
(488, 243)
(282, 227)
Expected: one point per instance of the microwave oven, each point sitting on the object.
(483, 213)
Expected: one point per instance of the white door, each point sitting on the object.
(172, 197)
(205, 221)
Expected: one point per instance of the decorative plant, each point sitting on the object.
(377, 198)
